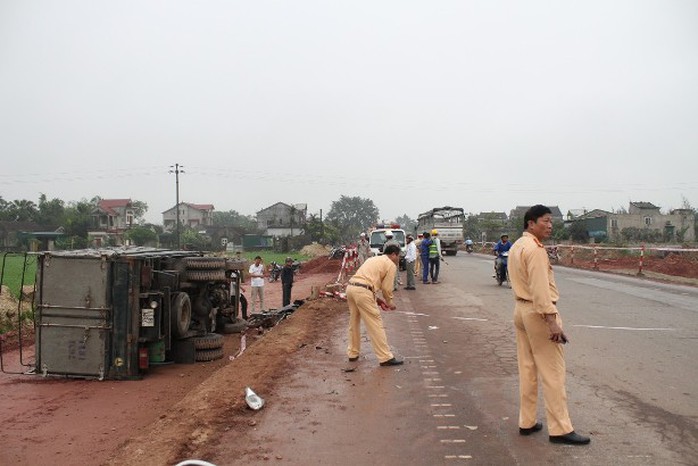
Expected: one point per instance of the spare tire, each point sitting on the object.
(205, 262)
(208, 355)
(208, 341)
(180, 315)
(205, 275)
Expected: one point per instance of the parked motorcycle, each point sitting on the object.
(502, 272)
(338, 252)
(275, 269)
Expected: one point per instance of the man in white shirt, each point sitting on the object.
(410, 258)
(257, 284)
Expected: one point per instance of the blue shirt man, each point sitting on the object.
(424, 255)
(503, 245)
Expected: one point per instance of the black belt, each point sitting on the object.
(368, 287)
(527, 301)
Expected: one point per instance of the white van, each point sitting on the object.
(378, 239)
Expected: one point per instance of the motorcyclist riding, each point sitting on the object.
(501, 250)
(469, 245)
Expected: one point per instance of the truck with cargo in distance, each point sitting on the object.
(448, 222)
(111, 313)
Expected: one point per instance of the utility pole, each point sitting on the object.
(177, 169)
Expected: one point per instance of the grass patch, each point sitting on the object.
(278, 257)
(17, 269)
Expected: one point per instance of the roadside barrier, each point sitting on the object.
(349, 264)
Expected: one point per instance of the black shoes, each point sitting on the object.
(410, 288)
(356, 358)
(392, 362)
(531, 430)
(572, 438)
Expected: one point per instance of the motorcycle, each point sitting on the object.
(502, 273)
(337, 252)
(469, 248)
(275, 269)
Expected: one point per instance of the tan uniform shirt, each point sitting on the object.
(378, 272)
(531, 274)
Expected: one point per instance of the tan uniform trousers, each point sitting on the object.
(362, 306)
(418, 266)
(257, 294)
(538, 356)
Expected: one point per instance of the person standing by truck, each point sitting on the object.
(418, 262)
(363, 249)
(257, 283)
(287, 281)
(434, 256)
(389, 239)
(424, 255)
(410, 259)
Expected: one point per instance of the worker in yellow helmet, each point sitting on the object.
(435, 256)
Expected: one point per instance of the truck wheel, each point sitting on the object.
(208, 342)
(208, 354)
(180, 315)
(205, 275)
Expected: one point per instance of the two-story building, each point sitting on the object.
(642, 217)
(110, 219)
(282, 219)
(197, 216)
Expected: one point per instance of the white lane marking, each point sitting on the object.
(443, 415)
(448, 427)
(639, 329)
(453, 441)
(476, 319)
(458, 457)
(441, 404)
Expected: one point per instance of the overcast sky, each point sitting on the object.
(484, 105)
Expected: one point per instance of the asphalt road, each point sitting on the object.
(632, 383)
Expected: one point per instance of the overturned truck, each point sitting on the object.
(111, 313)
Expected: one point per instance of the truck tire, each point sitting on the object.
(205, 263)
(205, 275)
(180, 315)
(208, 342)
(208, 354)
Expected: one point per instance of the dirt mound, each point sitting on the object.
(314, 250)
(216, 407)
(321, 265)
(680, 265)
(672, 264)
